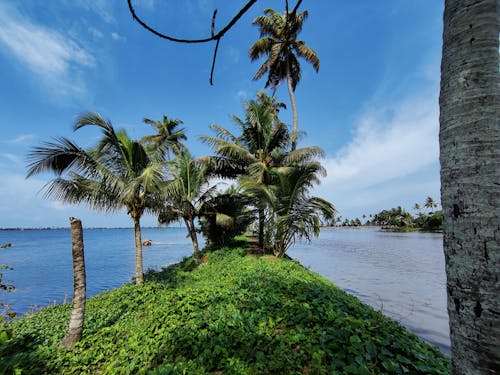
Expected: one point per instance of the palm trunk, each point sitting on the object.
(261, 229)
(194, 238)
(469, 138)
(75, 328)
(139, 276)
(295, 128)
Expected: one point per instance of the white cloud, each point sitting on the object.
(21, 138)
(117, 36)
(12, 158)
(97, 34)
(388, 146)
(148, 5)
(57, 59)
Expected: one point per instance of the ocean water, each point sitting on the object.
(42, 265)
(400, 274)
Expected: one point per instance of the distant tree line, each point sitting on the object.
(399, 218)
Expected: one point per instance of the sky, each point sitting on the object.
(372, 107)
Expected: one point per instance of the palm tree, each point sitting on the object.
(225, 217)
(262, 146)
(118, 173)
(167, 137)
(430, 203)
(469, 138)
(280, 46)
(186, 194)
(297, 214)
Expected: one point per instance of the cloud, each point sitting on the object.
(14, 159)
(57, 59)
(103, 8)
(148, 5)
(97, 34)
(21, 138)
(117, 36)
(391, 149)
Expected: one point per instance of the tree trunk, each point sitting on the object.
(469, 138)
(139, 276)
(295, 128)
(261, 229)
(75, 328)
(194, 238)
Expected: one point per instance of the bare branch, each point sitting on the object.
(213, 36)
(217, 36)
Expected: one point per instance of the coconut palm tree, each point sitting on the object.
(186, 194)
(297, 215)
(430, 203)
(282, 49)
(167, 137)
(262, 146)
(469, 138)
(118, 173)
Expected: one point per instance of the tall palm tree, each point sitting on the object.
(187, 194)
(167, 137)
(280, 46)
(469, 137)
(118, 173)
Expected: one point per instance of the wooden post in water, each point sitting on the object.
(75, 328)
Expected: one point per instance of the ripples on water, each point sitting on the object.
(400, 274)
(42, 261)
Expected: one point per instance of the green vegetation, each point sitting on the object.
(276, 177)
(231, 314)
(399, 219)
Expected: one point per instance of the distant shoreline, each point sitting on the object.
(67, 228)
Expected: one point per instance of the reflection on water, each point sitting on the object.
(400, 274)
(42, 266)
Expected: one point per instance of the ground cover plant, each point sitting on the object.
(230, 314)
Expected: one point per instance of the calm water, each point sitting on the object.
(401, 274)
(42, 261)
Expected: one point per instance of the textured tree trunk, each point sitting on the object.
(75, 328)
(295, 128)
(469, 143)
(139, 276)
(194, 238)
(261, 229)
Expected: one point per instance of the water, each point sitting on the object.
(42, 263)
(400, 274)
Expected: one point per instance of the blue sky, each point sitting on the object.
(373, 106)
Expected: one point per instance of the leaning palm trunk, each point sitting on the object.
(295, 128)
(469, 139)
(139, 276)
(194, 238)
(75, 328)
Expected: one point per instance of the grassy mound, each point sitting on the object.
(234, 314)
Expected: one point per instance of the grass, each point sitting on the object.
(233, 314)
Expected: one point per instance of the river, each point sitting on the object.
(400, 274)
